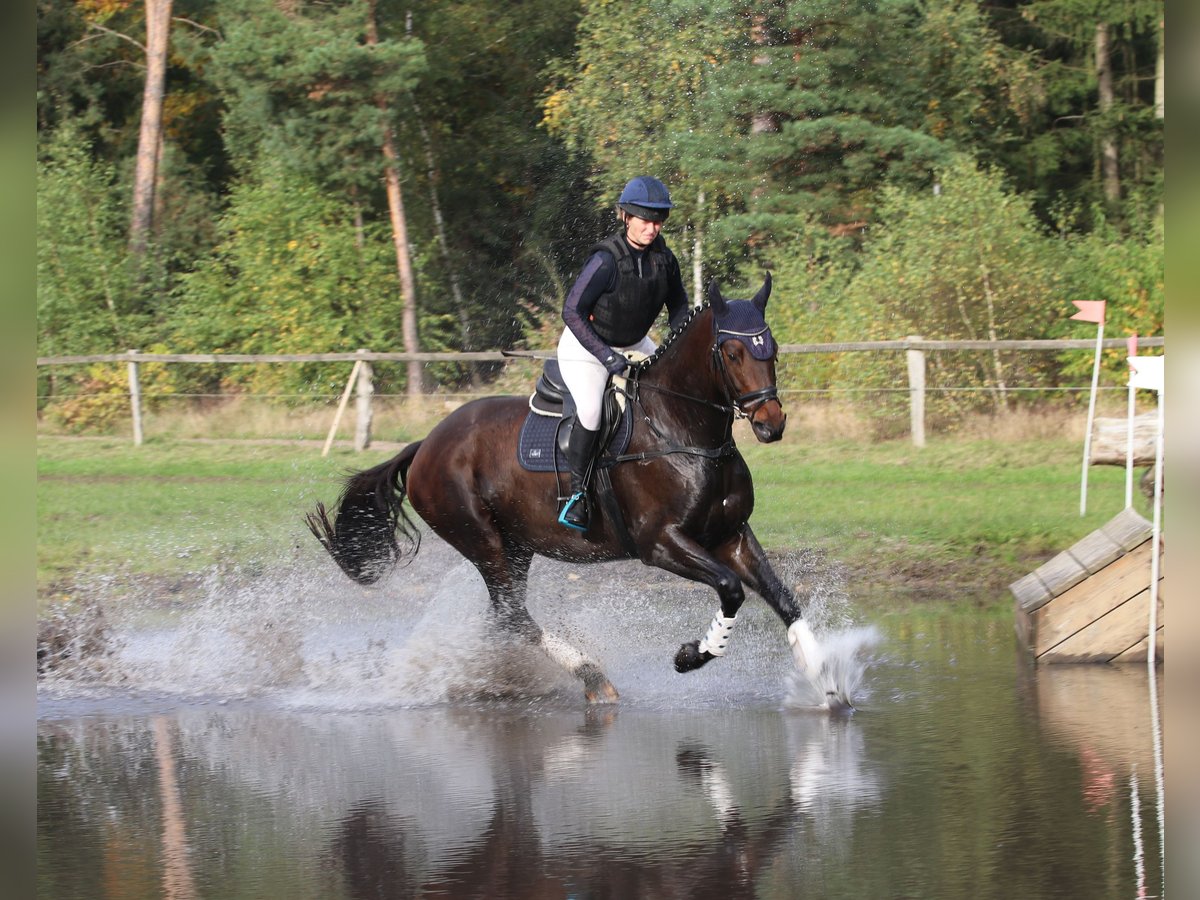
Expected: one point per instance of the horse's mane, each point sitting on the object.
(672, 338)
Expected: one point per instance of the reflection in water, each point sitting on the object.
(963, 776)
(177, 876)
(484, 802)
(1107, 714)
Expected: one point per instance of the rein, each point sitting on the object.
(738, 406)
(726, 449)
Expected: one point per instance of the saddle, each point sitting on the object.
(542, 446)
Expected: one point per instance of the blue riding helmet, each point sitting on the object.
(647, 198)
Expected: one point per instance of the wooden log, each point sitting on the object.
(1110, 440)
(1128, 529)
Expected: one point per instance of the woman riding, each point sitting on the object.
(627, 280)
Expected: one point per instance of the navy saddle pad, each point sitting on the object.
(543, 440)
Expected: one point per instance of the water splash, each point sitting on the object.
(301, 636)
(831, 681)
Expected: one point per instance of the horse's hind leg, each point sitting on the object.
(506, 574)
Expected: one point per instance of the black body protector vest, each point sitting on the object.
(623, 316)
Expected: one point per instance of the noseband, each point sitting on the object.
(749, 403)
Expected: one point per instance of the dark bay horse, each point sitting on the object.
(683, 488)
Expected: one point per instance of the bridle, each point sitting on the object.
(744, 406)
(755, 399)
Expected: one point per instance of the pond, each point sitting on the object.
(298, 737)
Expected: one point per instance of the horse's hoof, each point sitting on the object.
(689, 658)
(603, 693)
(596, 687)
(838, 701)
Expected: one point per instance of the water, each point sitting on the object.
(306, 738)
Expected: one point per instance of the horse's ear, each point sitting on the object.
(764, 292)
(715, 300)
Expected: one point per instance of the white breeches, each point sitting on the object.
(585, 377)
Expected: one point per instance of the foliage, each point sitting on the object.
(810, 270)
(803, 138)
(289, 274)
(90, 67)
(970, 262)
(814, 131)
(1058, 157)
(1128, 271)
(637, 91)
(100, 399)
(972, 89)
(303, 84)
(85, 300)
(514, 204)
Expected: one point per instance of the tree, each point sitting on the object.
(631, 100)
(309, 84)
(395, 199)
(813, 94)
(149, 152)
(516, 210)
(1099, 137)
(971, 262)
(97, 76)
(775, 111)
(83, 296)
(288, 276)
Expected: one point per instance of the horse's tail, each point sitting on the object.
(362, 538)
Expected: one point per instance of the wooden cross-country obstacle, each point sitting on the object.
(1091, 603)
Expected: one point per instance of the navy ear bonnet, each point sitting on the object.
(744, 321)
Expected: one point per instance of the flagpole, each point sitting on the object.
(1129, 417)
(1152, 636)
(1087, 439)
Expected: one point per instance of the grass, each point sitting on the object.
(972, 513)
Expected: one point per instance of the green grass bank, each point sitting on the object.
(958, 518)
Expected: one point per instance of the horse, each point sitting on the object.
(683, 493)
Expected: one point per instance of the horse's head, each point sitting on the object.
(744, 352)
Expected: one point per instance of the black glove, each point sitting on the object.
(616, 362)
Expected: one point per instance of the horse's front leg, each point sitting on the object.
(745, 556)
(679, 554)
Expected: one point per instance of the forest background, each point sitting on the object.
(287, 176)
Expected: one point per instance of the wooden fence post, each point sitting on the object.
(135, 399)
(916, 391)
(362, 405)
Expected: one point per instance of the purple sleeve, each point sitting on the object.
(598, 276)
(677, 298)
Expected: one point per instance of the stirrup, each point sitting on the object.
(571, 501)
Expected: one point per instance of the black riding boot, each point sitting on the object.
(580, 447)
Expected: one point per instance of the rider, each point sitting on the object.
(626, 281)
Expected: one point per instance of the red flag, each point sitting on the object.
(1090, 311)
(1131, 344)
